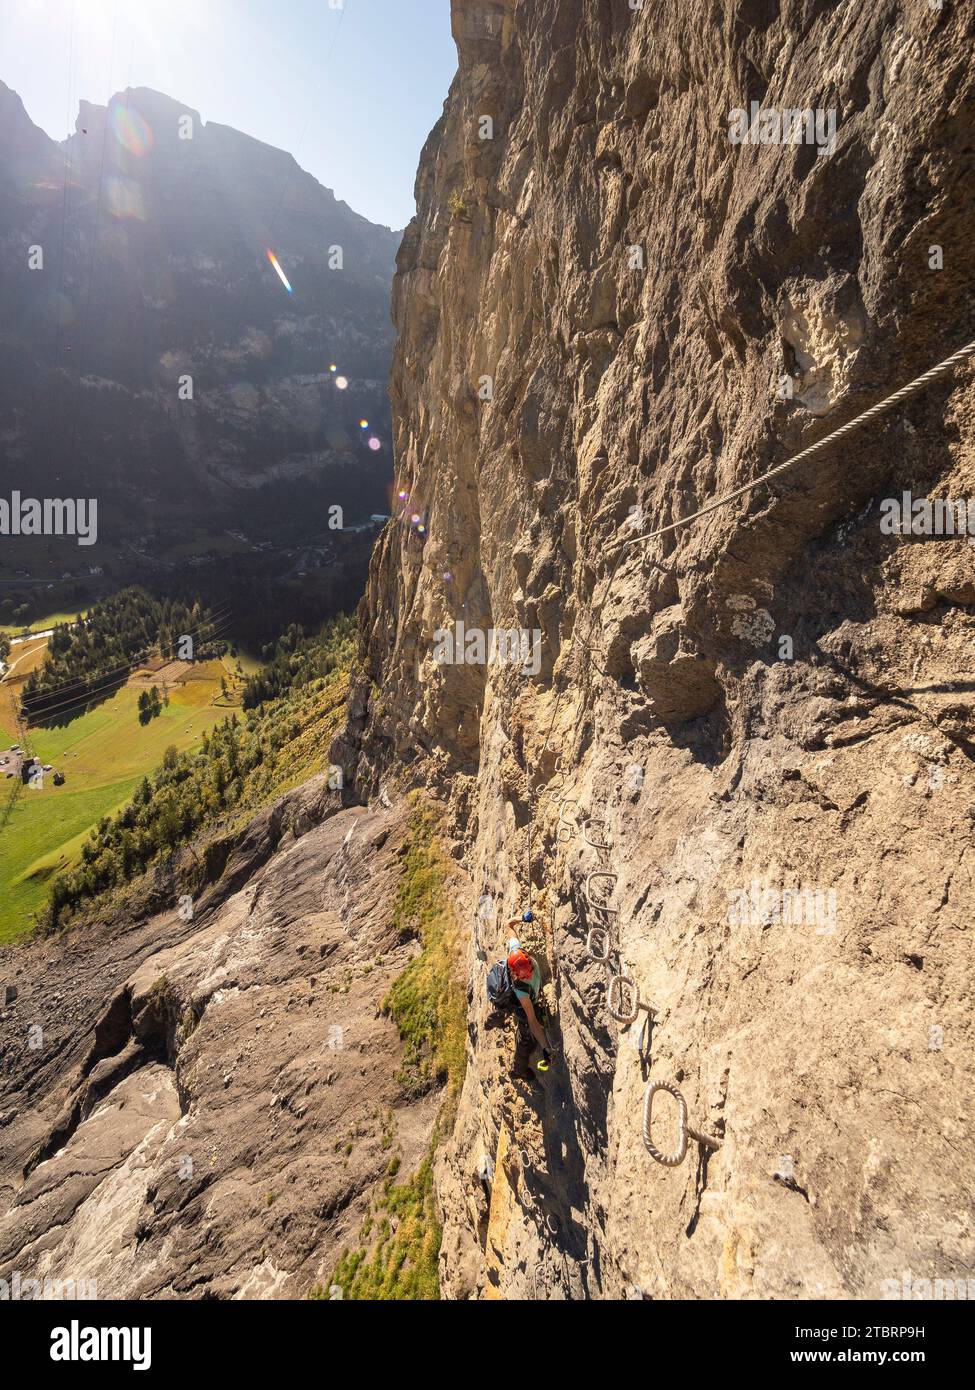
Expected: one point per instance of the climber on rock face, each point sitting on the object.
(526, 983)
(513, 986)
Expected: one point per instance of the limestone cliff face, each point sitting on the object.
(776, 697)
(211, 1100)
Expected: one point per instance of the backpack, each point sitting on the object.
(500, 990)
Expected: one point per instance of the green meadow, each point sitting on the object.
(50, 620)
(104, 755)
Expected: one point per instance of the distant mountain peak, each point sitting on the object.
(156, 228)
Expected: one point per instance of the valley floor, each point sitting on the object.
(104, 754)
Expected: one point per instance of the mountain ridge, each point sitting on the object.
(155, 272)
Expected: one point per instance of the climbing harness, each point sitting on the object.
(677, 1157)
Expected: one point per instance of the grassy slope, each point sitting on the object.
(104, 755)
(249, 663)
(294, 732)
(399, 1243)
(51, 620)
(23, 659)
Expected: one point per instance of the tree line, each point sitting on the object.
(91, 658)
(296, 659)
(238, 766)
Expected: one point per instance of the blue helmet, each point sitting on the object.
(528, 917)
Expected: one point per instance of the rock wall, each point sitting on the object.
(605, 304)
(207, 1105)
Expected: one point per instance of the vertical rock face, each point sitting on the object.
(767, 716)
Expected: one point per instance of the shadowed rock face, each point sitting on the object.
(154, 227)
(776, 698)
(211, 1104)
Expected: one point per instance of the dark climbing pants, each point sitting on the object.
(524, 1048)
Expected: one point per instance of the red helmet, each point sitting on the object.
(521, 966)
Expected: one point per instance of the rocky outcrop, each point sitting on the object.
(205, 1104)
(609, 312)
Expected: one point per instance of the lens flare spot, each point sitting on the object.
(131, 131)
(341, 382)
(375, 443)
(124, 199)
(279, 272)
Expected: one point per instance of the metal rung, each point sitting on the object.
(600, 907)
(677, 1157)
(561, 774)
(620, 983)
(601, 958)
(594, 844)
(566, 828)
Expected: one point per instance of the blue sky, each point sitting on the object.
(352, 91)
